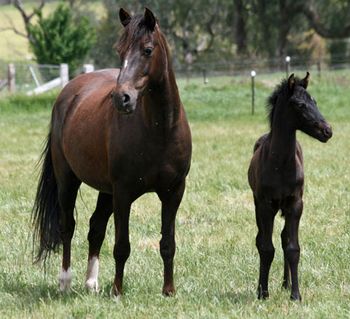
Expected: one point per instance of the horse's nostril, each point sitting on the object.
(126, 99)
(327, 132)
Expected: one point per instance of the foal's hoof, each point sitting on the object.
(263, 294)
(295, 297)
(169, 291)
(285, 284)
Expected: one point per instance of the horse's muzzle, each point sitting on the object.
(124, 102)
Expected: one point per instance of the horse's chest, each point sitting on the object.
(281, 184)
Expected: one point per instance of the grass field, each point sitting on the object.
(216, 264)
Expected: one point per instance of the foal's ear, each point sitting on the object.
(305, 81)
(291, 81)
(124, 17)
(150, 20)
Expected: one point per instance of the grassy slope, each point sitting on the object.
(216, 264)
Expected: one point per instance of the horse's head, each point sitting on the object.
(141, 53)
(306, 114)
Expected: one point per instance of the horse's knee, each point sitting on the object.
(266, 249)
(167, 249)
(292, 253)
(121, 252)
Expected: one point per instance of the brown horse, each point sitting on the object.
(276, 176)
(125, 133)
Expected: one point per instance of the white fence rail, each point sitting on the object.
(36, 79)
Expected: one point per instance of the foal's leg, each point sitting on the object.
(98, 224)
(265, 215)
(292, 214)
(286, 271)
(67, 192)
(121, 252)
(170, 204)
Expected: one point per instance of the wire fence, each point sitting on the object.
(29, 76)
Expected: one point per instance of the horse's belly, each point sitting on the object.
(85, 149)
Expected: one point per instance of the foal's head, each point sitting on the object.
(300, 108)
(143, 52)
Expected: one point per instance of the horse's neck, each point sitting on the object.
(164, 102)
(283, 141)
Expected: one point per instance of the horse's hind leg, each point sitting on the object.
(292, 214)
(98, 224)
(170, 204)
(121, 207)
(68, 186)
(286, 270)
(265, 215)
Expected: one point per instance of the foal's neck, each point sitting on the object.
(283, 140)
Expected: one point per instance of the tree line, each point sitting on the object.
(198, 31)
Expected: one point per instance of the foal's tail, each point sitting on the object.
(45, 214)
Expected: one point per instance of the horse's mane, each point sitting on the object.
(281, 91)
(135, 29)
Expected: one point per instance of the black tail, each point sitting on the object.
(45, 214)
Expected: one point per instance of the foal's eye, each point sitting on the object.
(302, 105)
(147, 51)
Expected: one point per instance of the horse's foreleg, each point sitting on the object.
(286, 271)
(292, 249)
(170, 204)
(67, 193)
(98, 224)
(264, 217)
(121, 252)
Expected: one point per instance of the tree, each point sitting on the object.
(59, 39)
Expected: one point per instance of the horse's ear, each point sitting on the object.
(305, 81)
(124, 17)
(291, 81)
(150, 20)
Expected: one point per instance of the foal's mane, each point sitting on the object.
(281, 92)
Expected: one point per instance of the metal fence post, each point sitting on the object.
(287, 65)
(11, 78)
(64, 74)
(253, 74)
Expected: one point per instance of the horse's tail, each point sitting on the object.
(45, 214)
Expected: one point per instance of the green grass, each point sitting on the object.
(216, 264)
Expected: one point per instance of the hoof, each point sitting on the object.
(295, 297)
(65, 280)
(169, 291)
(91, 285)
(116, 293)
(263, 294)
(286, 284)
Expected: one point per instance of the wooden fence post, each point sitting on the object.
(87, 68)
(64, 74)
(11, 78)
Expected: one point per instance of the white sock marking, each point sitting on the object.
(92, 274)
(65, 279)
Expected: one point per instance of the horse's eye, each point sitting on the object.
(147, 51)
(302, 105)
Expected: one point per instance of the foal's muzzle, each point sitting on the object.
(324, 131)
